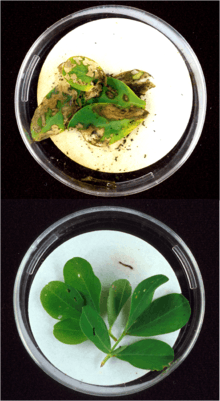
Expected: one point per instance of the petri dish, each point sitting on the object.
(101, 183)
(143, 232)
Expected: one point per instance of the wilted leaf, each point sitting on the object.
(94, 327)
(119, 93)
(139, 81)
(106, 123)
(164, 315)
(51, 116)
(82, 73)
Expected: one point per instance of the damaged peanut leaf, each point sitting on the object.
(52, 115)
(68, 331)
(119, 93)
(142, 297)
(94, 327)
(164, 315)
(119, 293)
(139, 81)
(147, 354)
(103, 123)
(79, 274)
(61, 300)
(82, 73)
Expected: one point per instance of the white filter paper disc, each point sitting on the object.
(104, 250)
(118, 45)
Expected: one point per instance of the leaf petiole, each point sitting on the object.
(108, 356)
(111, 335)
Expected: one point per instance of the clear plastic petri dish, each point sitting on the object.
(75, 175)
(144, 230)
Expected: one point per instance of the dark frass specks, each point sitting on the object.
(103, 108)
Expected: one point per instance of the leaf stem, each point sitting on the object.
(112, 349)
(111, 335)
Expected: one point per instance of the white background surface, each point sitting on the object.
(104, 250)
(120, 45)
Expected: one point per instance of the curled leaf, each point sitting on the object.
(79, 274)
(119, 93)
(142, 297)
(94, 327)
(147, 354)
(164, 315)
(61, 300)
(139, 81)
(82, 73)
(105, 123)
(68, 331)
(119, 293)
(52, 115)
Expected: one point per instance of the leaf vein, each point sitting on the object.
(158, 318)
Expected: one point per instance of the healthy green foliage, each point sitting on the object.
(119, 293)
(79, 274)
(68, 331)
(94, 327)
(76, 303)
(142, 296)
(164, 315)
(61, 300)
(147, 354)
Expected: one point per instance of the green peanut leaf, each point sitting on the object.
(164, 315)
(105, 122)
(68, 331)
(51, 116)
(142, 297)
(147, 354)
(139, 81)
(82, 73)
(79, 274)
(119, 293)
(61, 300)
(118, 92)
(94, 327)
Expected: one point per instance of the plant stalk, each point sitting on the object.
(108, 356)
(111, 335)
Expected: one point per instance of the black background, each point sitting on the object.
(195, 221)
(24, 22)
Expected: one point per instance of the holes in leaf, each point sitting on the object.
(125, 98)
(68, 290)
(78, 275)
(93, 331)
(75, 299)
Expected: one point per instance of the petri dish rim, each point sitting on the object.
(43, 242)
(193, 131)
